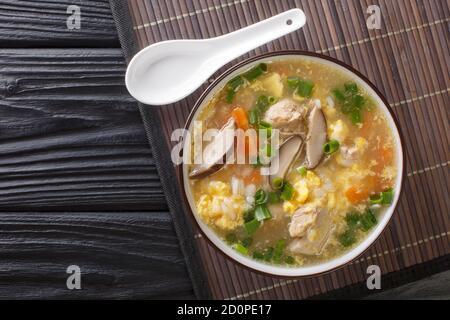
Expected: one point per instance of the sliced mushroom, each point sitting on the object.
(280, 164)
(314, 244)
(215, 152)
(317, 137)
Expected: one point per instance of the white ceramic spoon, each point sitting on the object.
(168, 71)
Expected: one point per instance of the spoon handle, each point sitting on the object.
(234, 44)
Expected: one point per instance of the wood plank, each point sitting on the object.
(41, 23)
(71, 137)
(121, 255)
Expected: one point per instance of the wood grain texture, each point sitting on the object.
(71, 137)
(43, 23)
(121, 255)
(405, 59)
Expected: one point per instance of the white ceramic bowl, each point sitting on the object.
(383, 219)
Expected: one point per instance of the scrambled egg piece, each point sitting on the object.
(361, 144)
(302, 187)
(220, 208)
(274, 85)
(338, 131)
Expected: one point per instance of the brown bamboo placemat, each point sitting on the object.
(408, 60)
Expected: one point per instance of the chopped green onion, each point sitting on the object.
(247, 242)
(266, 126)
(293, 82)
(287, 192)
(278, 251)
(351, 101)
(258, 255)
(383, 198)
(331, 147)
(305, 88)
(255, 72)
(253, 116)
(351, 87)
(347, 238)
(277, 183)
(302, 171)
(252, 226)
(249, 215)
(375, 198)
(261, 197)
(268, 253)
(240, 248)
(368, 220)
(274, 197)
(352, 219)
(356, 116)
(289, 260)
(231, 238)
(262, 103)
(357, 101)
(272, 99)
(262, 213)
(387, 196)
(267, 150)
(233, 86)
(340, 97)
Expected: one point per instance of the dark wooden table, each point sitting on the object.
(78, 185)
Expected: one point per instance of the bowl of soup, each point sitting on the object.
(293, 163)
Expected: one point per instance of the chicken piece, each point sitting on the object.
(314, 245)
(287, 116)
(301, 221)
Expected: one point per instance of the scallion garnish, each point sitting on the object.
(266, 126)
(240, 248)
(268, 254)
(305, 88)
(347, 238)
(289, 260)
(258, 255)
(387, 196)
(277, 183)
(255, 72)
(247, 242)
(232, 86)
(351, 101)
(278, 251)
(382, 198)
(293, 82)
(253, 117)
(287, 192)
(261, 197)
(368, 220)
(231, 238)
(249, 215)
(252, 226)
(302, 171)
(262, 213)
(331, 147)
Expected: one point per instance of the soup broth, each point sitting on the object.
(339, 154)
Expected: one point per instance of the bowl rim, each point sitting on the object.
(236, 66)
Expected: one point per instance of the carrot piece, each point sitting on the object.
(356, 194)
(240, 116)
(383, 156)
(253, 178)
